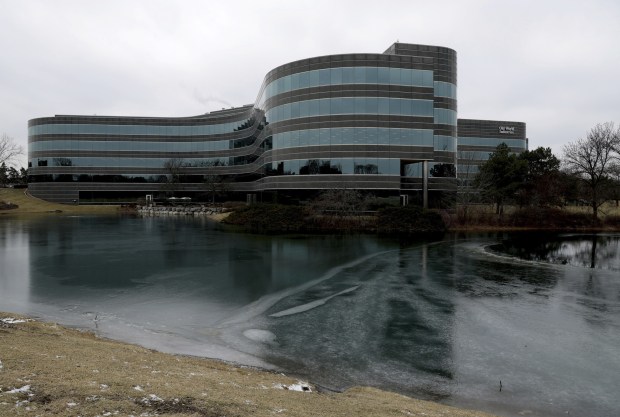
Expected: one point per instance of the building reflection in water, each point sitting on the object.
(14, 265)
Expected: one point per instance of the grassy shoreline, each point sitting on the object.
(29, 205)
(46, 369)
(481, 218)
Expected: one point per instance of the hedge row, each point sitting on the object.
(275, 218)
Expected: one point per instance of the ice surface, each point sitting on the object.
(311, 305)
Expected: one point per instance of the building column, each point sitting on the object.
(425, 184)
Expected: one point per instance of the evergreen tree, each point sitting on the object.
(542, 181)
(501, 176)
(4, 178)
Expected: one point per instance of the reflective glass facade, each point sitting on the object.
(477, 139)
(382, 122)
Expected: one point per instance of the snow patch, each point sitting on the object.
(13, 320)
(299, 386)
(263, 336)
(152, 398)
(25, 389)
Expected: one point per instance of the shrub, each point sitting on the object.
(409, 220)
(268, 218)
(612, 221)
(552, 218)
(7, 206)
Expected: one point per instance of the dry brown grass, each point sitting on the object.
(31, 205)
(607, 209)
(66, 372)
(482, 217)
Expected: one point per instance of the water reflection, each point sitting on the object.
(14, 267)
(594, 251)
(444, 320)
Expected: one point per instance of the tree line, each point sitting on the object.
(588, 173)
(9, 152)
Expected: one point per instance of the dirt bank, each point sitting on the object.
(46, 369)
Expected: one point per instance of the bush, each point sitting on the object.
(409, 220)
(7, 206)
(552, 218)
(612, 221)
(268, 218)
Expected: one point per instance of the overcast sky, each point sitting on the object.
(554, 65)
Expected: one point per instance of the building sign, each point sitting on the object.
(507, 130)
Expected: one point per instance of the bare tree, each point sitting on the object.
(9, 150)
(215, 184)
(174, 169)
(592, 158)
(614, 173)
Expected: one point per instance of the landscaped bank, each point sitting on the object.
(46, 369)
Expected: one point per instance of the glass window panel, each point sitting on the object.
(384, 75)
(293, 138)
(295, 81)
(346, 165)
(304, 79)
(372, 105)
(286, 112)
(395, 106)
(383, 166)
(324, 77)
(304, 138)
(360, 105)
(359, 75)
(427, 78)
(348, 105)
(294, 109)
(395, 76)
(423, 107)
(372, 75)
(348, 135)
(336, 76)
(360, 136)
(406, 107)
(314, 79)
(324, 136)
(336, 136)
(406, 76)
(314, 108)
(383, 105)
(348, 75)
(336, 105)
(324, 106)
(313, 137)
(291, 167)
(304, 108)
(395, 137)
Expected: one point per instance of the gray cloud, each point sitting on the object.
(552, 64)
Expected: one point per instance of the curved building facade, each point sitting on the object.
(386, 123)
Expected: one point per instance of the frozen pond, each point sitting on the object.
(445, 320)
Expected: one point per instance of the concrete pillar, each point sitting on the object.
(425, 184)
